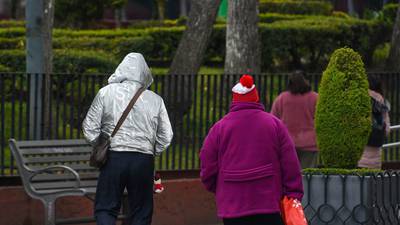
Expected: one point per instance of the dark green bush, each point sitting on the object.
(65, 61)
(389, 13)
(286, 44)
(343, 115)
(309, 7)
(12, 23)
(336, 171)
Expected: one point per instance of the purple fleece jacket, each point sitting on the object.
(249, 161)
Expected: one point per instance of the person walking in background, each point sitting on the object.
(249, 161)
(145, 132)
(296, 108)
(371, 157)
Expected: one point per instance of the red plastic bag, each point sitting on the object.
(292, 212)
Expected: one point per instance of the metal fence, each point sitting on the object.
(352, 199)
(195, 103)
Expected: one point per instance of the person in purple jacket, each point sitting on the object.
(249, 161)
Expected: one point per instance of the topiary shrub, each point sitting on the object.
(342, 119)
(309, 7)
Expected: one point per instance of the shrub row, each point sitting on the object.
(274, 17)
(303, 42)
(65, 61)
(389, 13)
(310, 7)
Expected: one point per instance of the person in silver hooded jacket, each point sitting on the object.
(145, 132)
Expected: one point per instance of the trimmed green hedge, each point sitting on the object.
(65, 61)
(304, 42)
(343, 115)
(309, 7)
(336, 171)
(389, 13)
(12, 23)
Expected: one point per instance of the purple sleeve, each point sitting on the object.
(209, 161)
(290, 165)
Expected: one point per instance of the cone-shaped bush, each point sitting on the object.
(343, 116)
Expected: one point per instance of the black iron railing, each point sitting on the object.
(352, 199)
(195, 102)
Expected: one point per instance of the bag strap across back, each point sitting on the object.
(127, 110)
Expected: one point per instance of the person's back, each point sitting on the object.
(248, 160)
(297, 113)
(146, 132)
(296, 108)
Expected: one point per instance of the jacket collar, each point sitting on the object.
(236, 106)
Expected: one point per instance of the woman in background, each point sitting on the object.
(296, 108)
(371, 157)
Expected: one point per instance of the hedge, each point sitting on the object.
(309, 7)
(389, 13)
(343, 114)
(12, 23)
(274, 17)
(65, 61)
(286, 44)
(337, 171)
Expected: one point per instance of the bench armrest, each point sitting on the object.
(48, 169)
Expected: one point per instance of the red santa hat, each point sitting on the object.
(245, 90)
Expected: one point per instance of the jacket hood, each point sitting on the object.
(132, 68)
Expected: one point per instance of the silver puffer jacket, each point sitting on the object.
(147, 128)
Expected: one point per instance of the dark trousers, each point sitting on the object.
(261, 219)
(130, 170)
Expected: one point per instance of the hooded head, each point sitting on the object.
(132, 68)
(245, 90)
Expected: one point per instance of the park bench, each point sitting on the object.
(50, 169)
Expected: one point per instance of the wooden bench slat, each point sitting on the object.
(51, 143)
(65, 176)
(63, 184)
(63, 158)
(55, 150)
(77, 167)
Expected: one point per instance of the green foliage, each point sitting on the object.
(389, 13)
(12, 23)
(291, 42)
(77, 13)
(65, 61)
(309, 7)
(380, 56)
(343, 115)
(336, 171)
(4, 68)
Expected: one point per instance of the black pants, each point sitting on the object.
(130, 170)
(261, 219)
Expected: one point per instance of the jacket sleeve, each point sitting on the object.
(209, 161)
(164, 131)
(276, 108)
(290, 165)
(91, 126)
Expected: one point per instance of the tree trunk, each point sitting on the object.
(191, 49)
(190, 53)
(350, 7)
(183, 8)
(47, 31)
(242, 39)
(393, 62)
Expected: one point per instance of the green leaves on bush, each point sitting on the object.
(389, 13)
(65, 61)
(343, 120)
(310, 7)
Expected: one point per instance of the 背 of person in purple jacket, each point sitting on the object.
(249, 161)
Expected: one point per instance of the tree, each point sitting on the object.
(190, 52)
(242, 39)
(192, 46)
(47, 32)
(393, 62)
(343, 115)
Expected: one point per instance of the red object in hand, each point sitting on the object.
(292, 212)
